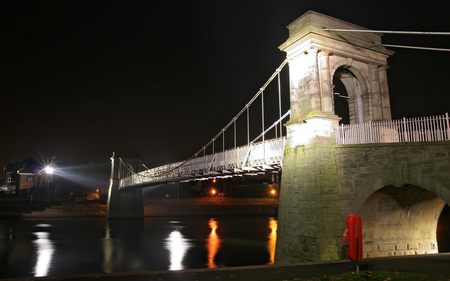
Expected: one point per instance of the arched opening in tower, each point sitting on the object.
(340, 101)
(347, 96)
(403, 221)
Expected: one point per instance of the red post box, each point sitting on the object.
(352, 238)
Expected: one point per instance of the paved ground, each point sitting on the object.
(434, 265)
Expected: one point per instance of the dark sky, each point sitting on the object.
(81, 79)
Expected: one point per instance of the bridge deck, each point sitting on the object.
(244, 160)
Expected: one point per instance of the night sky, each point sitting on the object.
(81, 79)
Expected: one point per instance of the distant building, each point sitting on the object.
(21, 177)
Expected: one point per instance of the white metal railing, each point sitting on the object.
(260, 156)
(421, 129)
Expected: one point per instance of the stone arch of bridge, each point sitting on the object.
(401, 221)
(436, 185)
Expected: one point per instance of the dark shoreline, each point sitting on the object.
(152, 208)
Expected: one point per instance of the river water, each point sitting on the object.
(44, 247)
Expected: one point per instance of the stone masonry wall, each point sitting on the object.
(309, 219)
(322, 184)
(380, 181)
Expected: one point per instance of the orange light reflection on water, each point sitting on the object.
(272, 239)
(213, 243)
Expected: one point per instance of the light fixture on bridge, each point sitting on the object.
(249, 169)
(213, 191)
(312, 128)
(273, 192)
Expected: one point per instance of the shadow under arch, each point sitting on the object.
(443, 230)
(401, 221)
(349, 89)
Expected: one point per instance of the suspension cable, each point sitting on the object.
(271, 126)
(248, 129)
(282, 65)
(279, 104)
(223, 145)
(262, 125)
(245, 108)
(443, 33)
(234, 133)
(417, 47)
(389, 31)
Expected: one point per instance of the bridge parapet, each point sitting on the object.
(422, 129)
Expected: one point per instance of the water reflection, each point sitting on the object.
(212, 243)
(45, 252)
(272, 239)
(43, 225)
(107, 250)
(31, 248)
(177, 246)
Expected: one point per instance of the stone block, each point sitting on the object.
(401, 247)
(370, 248)
(413, 246)
(386, 247)
(424, 246)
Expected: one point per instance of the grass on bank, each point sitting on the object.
(374, 276)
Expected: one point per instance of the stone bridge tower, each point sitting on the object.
(317, 57)
(323, 182)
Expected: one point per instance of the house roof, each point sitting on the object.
(27, 166)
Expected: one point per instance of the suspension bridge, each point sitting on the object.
(392, 172)
(264, 154)
(216, 159)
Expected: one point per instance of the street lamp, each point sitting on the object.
(273, 192)
(49, 170)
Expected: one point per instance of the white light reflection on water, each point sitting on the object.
(177, 246)
(43, 225)
(108, 250)
(45, 252)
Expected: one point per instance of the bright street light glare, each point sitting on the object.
(49, 170)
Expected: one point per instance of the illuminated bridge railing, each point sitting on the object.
(421, 129)
(244, 160)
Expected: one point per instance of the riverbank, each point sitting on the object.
(212, 206)
(421, 267)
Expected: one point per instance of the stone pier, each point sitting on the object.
(122, 203)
